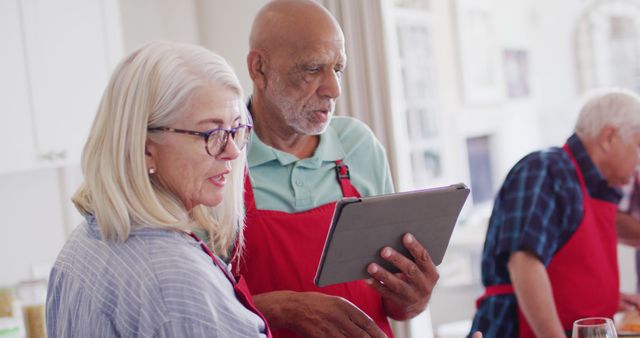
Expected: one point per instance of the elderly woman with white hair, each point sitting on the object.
(164, 162)
(550, 252)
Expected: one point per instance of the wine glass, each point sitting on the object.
(594, 327)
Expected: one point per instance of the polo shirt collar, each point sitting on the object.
(329, 149)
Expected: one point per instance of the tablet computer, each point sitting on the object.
(361, 227)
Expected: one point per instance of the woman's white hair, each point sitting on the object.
(618, 108)
(153, 87)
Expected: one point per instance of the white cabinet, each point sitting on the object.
(67, 51)
(17, 145)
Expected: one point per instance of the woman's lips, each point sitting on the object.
(218, 180)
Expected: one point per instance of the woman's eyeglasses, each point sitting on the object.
(216, 139)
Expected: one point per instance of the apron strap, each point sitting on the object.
(583, 185)
(240, 288)
(208, 251)
(495, 290)
(249, 201)
(344, 179)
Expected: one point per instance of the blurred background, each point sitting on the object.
(456, 90)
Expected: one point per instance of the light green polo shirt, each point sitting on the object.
(283, 182)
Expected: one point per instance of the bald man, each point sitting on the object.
(302, 160)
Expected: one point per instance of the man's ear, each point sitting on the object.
(256, 62)
(606, 137)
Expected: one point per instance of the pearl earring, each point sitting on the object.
(152, 171)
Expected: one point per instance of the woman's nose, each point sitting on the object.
(230, 150)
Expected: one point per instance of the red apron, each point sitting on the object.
(282, 251)
(584, 272)
(239, 288)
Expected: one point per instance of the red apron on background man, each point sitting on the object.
(282, 251)
(584, 272)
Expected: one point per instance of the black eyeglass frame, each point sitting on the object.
(207, 134)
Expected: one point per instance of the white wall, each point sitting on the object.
(144, 20)
(225, 27)
(555, 80)
(32, 222)
(220, 25)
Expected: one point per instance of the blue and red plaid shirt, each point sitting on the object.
(538, 209)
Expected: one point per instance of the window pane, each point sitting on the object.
(479, 154)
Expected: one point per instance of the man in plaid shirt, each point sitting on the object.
(550, 253)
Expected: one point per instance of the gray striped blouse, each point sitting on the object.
(158, 283)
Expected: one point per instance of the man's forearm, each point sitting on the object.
(273, 306)
(314, 314)
(534, 294)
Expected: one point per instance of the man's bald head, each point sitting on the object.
(287, 24)
(296, 60)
